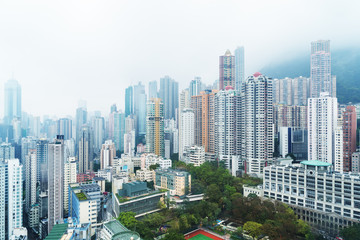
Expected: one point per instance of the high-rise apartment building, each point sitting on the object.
(187, 129)
(55, 181)
(64, 127)
(320, 70)
(99, 132)
(291, 91)
(289, 116)
(169, 94)
(140, 108)
(239, 68)
(322, 127)
(81, 120)
(204, 113)
(155, 127)
(12, 108)
(70, 173)
(107, 154)
(153, 90)
(227, 70)
(85, 150)
(119, 130)
(349, 135)
(6, 151)
(11, 192)
(129, 101)
(42, 163)
(30, 179)
(195, 87)
(226, 119)
(256, 123)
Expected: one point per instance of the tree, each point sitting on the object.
(352, 232)
(172, 235)
(213, 193)
(127, 219)
(154, 166)
(253, 229)
(108, 186)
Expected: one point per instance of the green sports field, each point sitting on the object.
(200, 237)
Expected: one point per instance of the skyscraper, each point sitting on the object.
(107, 154)
(64, 127)
(99, 133)
(140, 108)
(129, 101)
(195, 86)
(291, 91)
(12, 101)
(6, 151)
(256, 123)
(320, 70)
(11, 191)
(169, 94)
(239, 68)
(226, 70)
(119, 130)
(81, 119)
(204, 118)
(322, 126)
(56, 181)
(155, 127)
(70, 172)
(30, 179)
(226, 119)
(153, 91)
(42, 161)
(85, 150)
(187, 129)
(349, 135)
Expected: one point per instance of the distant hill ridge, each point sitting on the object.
(345, 65)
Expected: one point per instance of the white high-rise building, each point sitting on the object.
(11, 191)
(320, 71)
(226, 103)
(30, 179)
(239, 68)
(256, 125)
(186, 130)
(70, 172)
(107, 154)
(56, 152)
(99, 133)
(322, 130)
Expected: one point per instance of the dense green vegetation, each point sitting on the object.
(352, 232)
(223, 199)
(345, 65)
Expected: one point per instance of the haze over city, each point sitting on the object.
(63, 51)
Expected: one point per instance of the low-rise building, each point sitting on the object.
(114, 230)
(145, 175)
(194, 155)
(149, 159)
(118, 181)
(327, 200)
(177, 182)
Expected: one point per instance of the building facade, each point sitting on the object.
(226, 70)
(155, 127)
(349, 135)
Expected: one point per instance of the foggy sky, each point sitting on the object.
(63, 51)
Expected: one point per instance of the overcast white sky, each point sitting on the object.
(63, 51)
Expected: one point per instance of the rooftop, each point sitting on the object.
(316, 163)
(57, 231)
(120, 232)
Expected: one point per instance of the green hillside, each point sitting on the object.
(345, 65)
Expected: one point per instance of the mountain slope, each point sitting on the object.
(345, 65)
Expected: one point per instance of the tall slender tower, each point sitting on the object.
(155, 127)
(322, 129)
(129, 101)
(85, 150)
(256, 123)
(56, 181)
(153, 91)
(169, 94)
(349, 135)
(140, 107)
(119, 130)
(11, 191)
(12, 101)
(239, 68)
(64, 127)
(187, 129)
(227, 71)
(320, 72)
